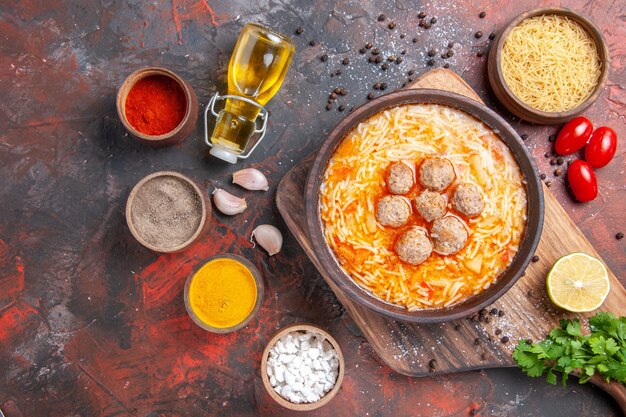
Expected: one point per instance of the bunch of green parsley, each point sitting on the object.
(602, 352)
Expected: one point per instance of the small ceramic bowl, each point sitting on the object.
(260, 289)
(303, 406)
(518, 107)
(133, 215)
(184, 128)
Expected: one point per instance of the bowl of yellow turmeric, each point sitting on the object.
(223, 293)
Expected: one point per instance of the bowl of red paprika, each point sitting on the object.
(157, 106)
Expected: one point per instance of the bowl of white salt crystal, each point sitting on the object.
(302, 367)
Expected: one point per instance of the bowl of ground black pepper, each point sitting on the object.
(157, 106)
(167, 212)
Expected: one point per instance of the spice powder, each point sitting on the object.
(222, 293)
(166, 212)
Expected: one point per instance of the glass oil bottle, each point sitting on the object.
(256, 71)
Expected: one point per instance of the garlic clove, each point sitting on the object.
(268, 237)
(228, 203)
(251, 179)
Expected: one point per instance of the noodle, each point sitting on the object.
(355, 174)
(550, 63)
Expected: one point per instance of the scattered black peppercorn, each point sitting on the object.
(494, 311)
(345, 61)
(552, 161)
(482, 15)
(372, 59)
(432, 364)
(492, 36)
(427, 25)
(446, 65)
(483, 312)
(433, 20)
(477, 341)
(498, 332)
(329, 106)
(338, 72)
(370, 96)
(362, 50)
(402, 35)
(478, 34)
(414, 40)
(333, 95)
(542, 176)
(551, 138)
(559, 161)
(411, 79)
(324, 58)
(375, 51)
(457, 327)
(524, 136)
(299, 30)
(558, 172)
(404, 84)
(505, 340)
(619, 236)
(535, 258)
(548, 184)
(337, 90)
(378, 59)
(384, 67)
(411, 72)
(341, 107)
(383, 86)
(487, 319)
(450, 53)
(432, 52)
(403, 52)
(391, 58)
(430, 62)
(421, 15)
(481, 319)
(368, 45)
(377, 85)
(381, 17)
(547, 154)
(391, 25)
(399, 60)
(421, 23)
(480, 54)
(450, 44)
(500, 313)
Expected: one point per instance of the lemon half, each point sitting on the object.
(578, 282)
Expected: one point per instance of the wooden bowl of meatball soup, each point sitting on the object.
(424, 206)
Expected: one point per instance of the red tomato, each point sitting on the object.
(573, 135)
(601, 147)
(582, 181)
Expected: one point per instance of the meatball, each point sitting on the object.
(468, 200)
(449, 235)
(436, 173)
(430, 205)
(399, 178)
(393, 210)
(414, 247)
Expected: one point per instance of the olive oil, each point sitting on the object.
(256, 71)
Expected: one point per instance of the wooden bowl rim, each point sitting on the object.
(535, 208)
(130, 81)
(260, 292)
(598, 39)
(329, 395)
(204, 211)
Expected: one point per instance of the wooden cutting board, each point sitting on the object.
(464, 344)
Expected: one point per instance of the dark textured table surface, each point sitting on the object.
(93, 324)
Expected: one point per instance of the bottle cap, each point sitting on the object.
(223, 154)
